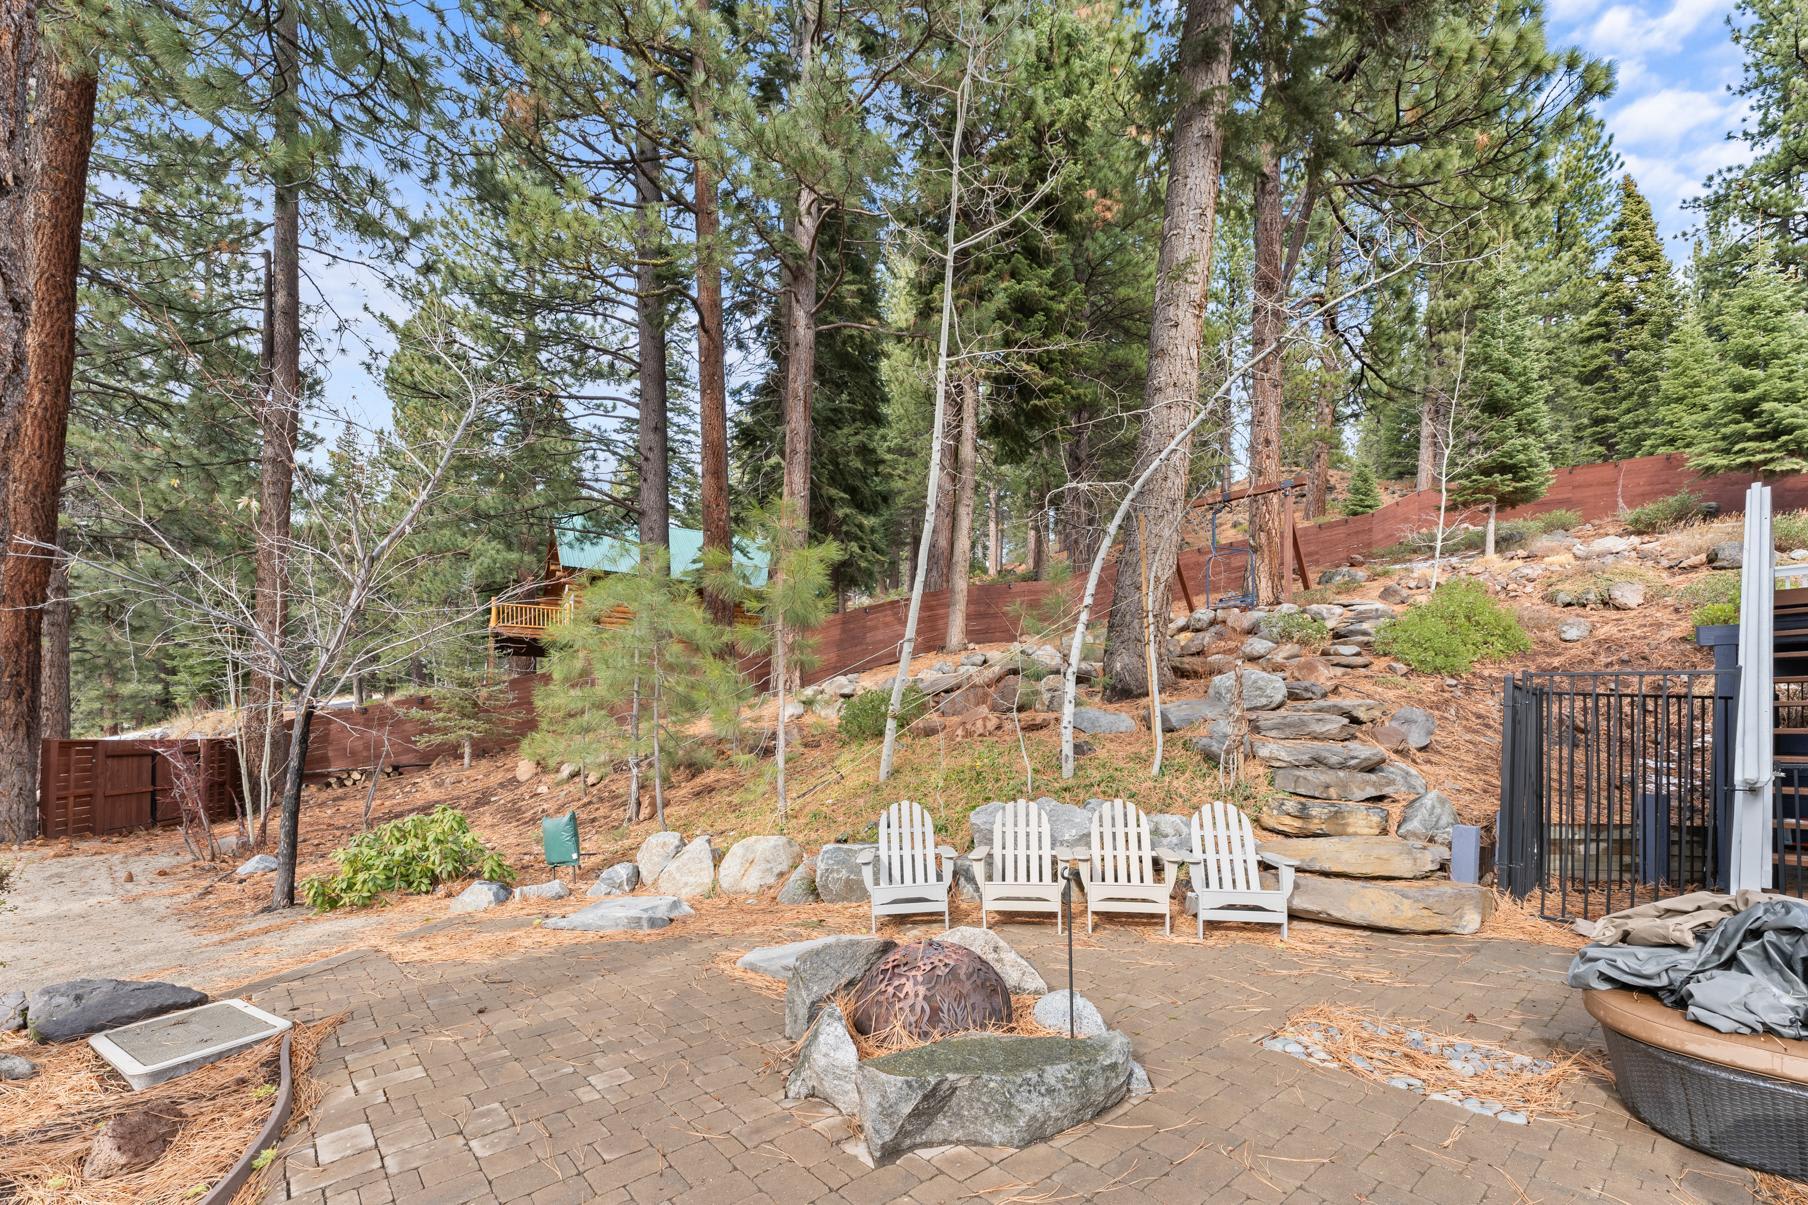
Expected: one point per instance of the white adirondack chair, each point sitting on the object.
(1025, 872)
(1120, 875)
(1225, 871)
(908, 872)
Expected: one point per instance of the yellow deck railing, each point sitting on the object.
(534, 616)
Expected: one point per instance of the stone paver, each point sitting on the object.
(632, 1071)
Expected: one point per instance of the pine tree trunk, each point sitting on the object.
(279, 422)
(712, 373)
(649, 321)
(994, 531)
(960, 552)
(1428, 409)
(1324, 420)
(1076, 517)
(1267, 324)
(1035, 544)
(63, 134)
(53, 704)
(1171, 391)
(941, 536)
(18, 55)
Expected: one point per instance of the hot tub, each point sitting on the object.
(1739, 1097)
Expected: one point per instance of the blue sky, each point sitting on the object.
(1672, 112)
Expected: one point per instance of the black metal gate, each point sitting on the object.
(1610, 786)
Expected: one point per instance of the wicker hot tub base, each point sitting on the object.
(1728, 1111)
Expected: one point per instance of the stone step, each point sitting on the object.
(1314, 818)
(1331, 755)
(1360, 857)
(1393, 907)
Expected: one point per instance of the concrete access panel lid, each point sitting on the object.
(162, 1048)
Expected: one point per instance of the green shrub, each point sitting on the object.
(1594, 587)
(863, 716)
(1296, 627)
(1554, 520)
(1790, 531)
(1713, 613)
(1714, 588)
(1459, 625)
(1664, 514)
(414, 854)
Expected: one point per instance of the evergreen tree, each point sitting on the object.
(1506, 425)
(1363, 496)
(1620, 356)
(1690, 387)
(468, 705)
(1756, 419)
(1764, 198)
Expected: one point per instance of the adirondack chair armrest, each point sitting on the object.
(978, 858)
(1278, 861)
(947, 855)
(1172, 862)
(865, 859)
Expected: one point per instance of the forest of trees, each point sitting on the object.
(671, 263)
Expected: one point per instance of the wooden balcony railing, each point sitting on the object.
(529, 616)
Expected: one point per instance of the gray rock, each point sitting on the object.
(261, 864)
(1170, 833)
(1728, 554)
(12, 1012)
(691, 874)
(1306, 690)
(778, 961)
(1201, 619)
(76, 1008)
(1357, 711)
(1316, 818)
(1331, 755)
(1301, 725)
(1343, 576)
(1096, 721)
(1261, 691)
(1360, 857)
(1345, 650)
(822, 972)
(838, 878)
(14, 1066)
(626, 913)
(828, 1066)
(1350, 662)
(1184, 713)
(753, 864)
(1139, 1082)
(1402, 779)
(1216, 740)
(1326, 613)
(1626, 596)
(619, 879)
(800, 888)
(1356, 629)
(1393, 907)
(1051, 1012)
(655, 852)
(966, 883)
(1018, 975)
(484, 893)
(973, 660)
(128, 1142)
(1350, 786)
(1572, 631)
(1415, 725)
(1605, 546)
(552, 889)
(1394, 594)
(1428, 818)
(989, 1090)
(1256, 648)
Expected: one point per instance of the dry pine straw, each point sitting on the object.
(1535, 1095)
(48, 1123)
(870, 1046)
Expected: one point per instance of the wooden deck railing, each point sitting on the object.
(530, 616)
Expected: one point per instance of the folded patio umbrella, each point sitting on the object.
(1746, 975)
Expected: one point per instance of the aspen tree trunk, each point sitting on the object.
(62, 137)
(1171, 392)
(649, 321)
(1267, 319)
(960, 551)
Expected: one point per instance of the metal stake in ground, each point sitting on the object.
(1068, 876)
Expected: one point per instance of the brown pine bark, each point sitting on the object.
(1171, 389)
(280, 421)
(18, 57)
(941, 536)
(651, 444)
(994, 531)
(1267, 324)
(63, 134)
(960, 550)
(53, 677)
(712, 373)
(1324, 419)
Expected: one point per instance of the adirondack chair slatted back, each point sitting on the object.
(1223, 840)
(906, 846)
(1022, 851)
(1121, 849)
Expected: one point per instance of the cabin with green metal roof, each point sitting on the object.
(576, 551)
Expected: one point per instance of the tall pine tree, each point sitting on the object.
(1621, 355)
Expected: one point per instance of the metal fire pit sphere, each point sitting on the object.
(926, 989)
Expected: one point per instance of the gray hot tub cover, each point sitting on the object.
(1749, 974)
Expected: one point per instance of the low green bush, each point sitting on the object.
(863, 716)
(1790, 531)
(414, 854)
(1713, 613)
(1459, 625)
(1555, 520)
(1664, 514)
(1296, 627)
(1714, 588)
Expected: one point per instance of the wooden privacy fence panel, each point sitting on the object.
(96, 787)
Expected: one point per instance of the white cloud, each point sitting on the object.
(1629, 31)
(1563, 12)
(1663, 117)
